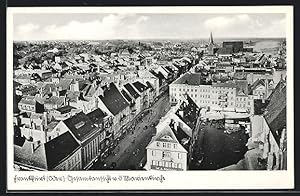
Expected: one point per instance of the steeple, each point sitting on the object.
(211, 40)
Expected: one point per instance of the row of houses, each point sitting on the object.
(89, 114)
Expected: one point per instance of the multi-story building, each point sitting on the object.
(230, 95)
(61, 153)
(164, 152)
(88, 136)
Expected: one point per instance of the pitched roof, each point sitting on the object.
(166, 135)
(96, 116)
(131, 90)
(189, 78)
(29, 100)
(65, 109)
(59, 148)
(276, 111)
(80, 125)
(126, 95)
(139, 86)
(64, 84)
(55, 100)
(190, 112)
(113, 99)
(150, 85)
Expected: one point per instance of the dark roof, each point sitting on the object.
(190, 112)
(150, 85)
(275, 114)
(80, 125)
(126, 95)
(59, 148)
(226, 50)
(180, 135)
(113, 99)
(96, 116)
(131, 90)
(169, 69)
(190, 79)
(259, 106)
(65, 109)
(139, 86)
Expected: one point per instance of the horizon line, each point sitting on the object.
(136, 39)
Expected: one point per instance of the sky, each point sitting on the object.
(75, 26)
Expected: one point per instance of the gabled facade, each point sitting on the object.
(164, 152)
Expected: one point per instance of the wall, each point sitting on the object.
(155, 160)
(72, 163)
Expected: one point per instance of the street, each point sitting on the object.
(130, 151)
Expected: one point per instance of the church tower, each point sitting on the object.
(211, 40)
(211, 45)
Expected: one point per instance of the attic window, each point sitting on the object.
(80, 124)
(167, 137)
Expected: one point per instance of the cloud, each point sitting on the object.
(243, 25)
(225, 22)
(27, 28)
(111, 26)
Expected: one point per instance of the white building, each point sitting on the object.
(164, 152)
(219, 96)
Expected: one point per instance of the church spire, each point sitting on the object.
(211, 40)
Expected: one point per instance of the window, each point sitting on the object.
(169, 145)
(191, 90)
(179, 165)
(160, 163)
(180, 89)
(173, 165)
(179, 156)
(166, 154)
(195, 90)
(164, 144)
(187, 90)
(153, 152)
(157, 144)
(195, 95)
(175, 146)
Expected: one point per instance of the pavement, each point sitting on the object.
(130, 151)
(218, 149)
